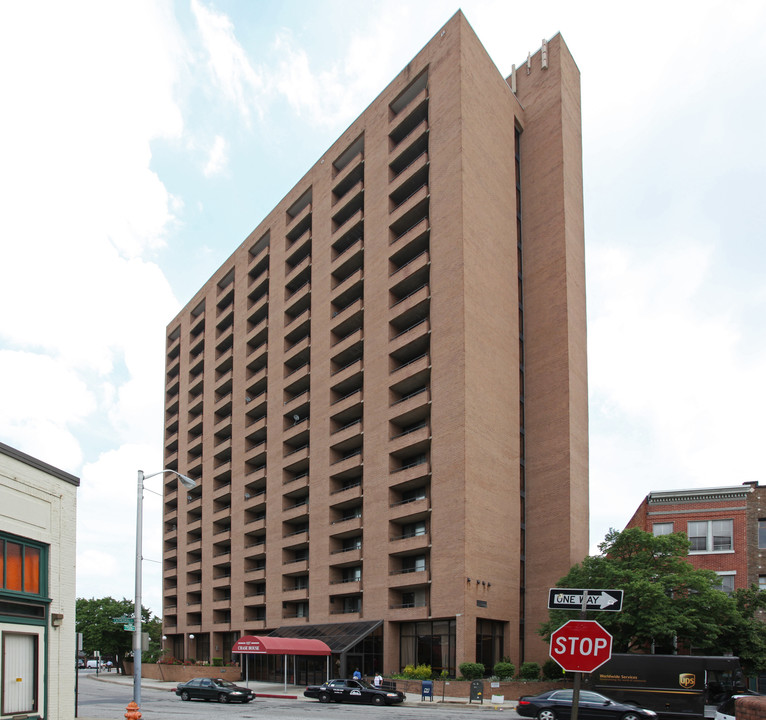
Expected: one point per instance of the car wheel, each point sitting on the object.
(185, 695)
(324, 698)
(546, 714)
(631, 716)
(377, 700)
(223, 698)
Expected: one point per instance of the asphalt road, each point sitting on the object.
(107, 701)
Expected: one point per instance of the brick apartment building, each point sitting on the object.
(383, 391)
(725, 525)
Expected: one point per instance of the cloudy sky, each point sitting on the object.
(141, 141)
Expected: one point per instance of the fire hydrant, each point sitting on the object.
(133, 712)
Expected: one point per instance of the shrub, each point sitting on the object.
(217, 662)
(529, 671)
(552, 670)
(410, 672)
(471, 671)
(504, 670)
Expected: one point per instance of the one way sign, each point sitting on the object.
(570, 599)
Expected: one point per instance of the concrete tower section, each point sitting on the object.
(383, 391)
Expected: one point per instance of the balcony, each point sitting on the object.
(259, 291)
(299, 302)
(348, 243)
(408, 216)
(412, 122)
(295, 567)
(347, 319)
(414, 440)
(410, 342)
(345, 557)
(412, 179)
(346, 528)
(295, 324)
(351, 210)
(345, 587)
(346, 434)
(412, 579)
(301, 267)
(295, 594)
(347, 180)
(418, 364)
(349, 290)
(405, 612)
(404, 543)
(352, 462)
(348, 401)
(409, 152)
(296, 512)
(258, 573)
(346, 494)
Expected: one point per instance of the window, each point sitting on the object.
(414, 529)
(762, 533)
(662, 529)
(727, 582)
(711, 535)
(762, 582)
(352, 605)
(416, 563)
(21, 566)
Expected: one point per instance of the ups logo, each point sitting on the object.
(687, 680)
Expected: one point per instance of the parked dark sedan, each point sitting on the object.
(593, 706)
(357, 691)
(214, 689)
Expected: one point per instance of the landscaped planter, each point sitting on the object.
(182, 673)
(511, 690)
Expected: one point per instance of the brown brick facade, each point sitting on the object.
(383, 391)
(742, 505)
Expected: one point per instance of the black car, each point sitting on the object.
(593, 706)
(357, 691)
(214, 689)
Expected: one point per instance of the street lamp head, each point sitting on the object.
(187, 482)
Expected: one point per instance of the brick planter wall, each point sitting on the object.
(511, 690)
(182, 673)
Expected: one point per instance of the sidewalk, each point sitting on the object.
(295, 692)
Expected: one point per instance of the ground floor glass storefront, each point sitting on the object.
(429, 642)
(490, 639)
(354, 646)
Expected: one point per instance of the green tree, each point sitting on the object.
(666, 600)
(745, 633)
(94, 619)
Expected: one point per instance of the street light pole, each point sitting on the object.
(188, 483)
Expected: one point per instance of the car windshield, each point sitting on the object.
(224, 683)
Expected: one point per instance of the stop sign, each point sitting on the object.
(581, 646)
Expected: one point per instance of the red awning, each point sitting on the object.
(269, 645)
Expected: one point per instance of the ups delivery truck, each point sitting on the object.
(674, 686)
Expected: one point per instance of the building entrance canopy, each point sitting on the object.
(270, 645)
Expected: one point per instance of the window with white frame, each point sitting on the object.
(711, 535)
(726, 581)
(664, 528)
(762, 582)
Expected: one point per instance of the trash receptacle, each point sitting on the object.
(477, 691)
(427, 690)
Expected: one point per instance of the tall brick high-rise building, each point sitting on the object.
(383, 391)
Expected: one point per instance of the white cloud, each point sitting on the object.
(228, 62)
(218, 157)
(107, 521)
